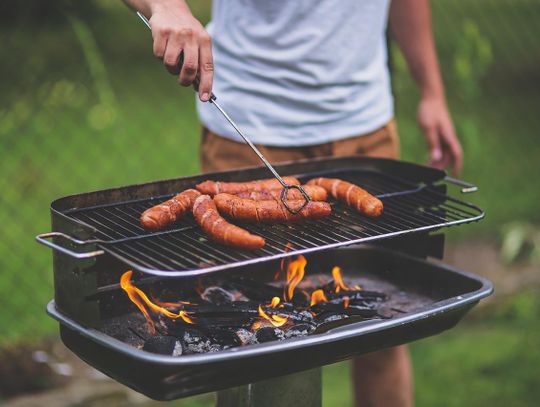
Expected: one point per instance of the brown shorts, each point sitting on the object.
(220, 154)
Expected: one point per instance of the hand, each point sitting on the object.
(444, 147)
(175, 30)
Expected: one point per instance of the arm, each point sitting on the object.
(175, 30)
(410, 21)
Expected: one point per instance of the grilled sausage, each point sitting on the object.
(218, 229)
(216, 187)
(315, 192)
(351, 194)
(162, 215)
(270, 211)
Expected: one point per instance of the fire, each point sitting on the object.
(318, 296)
(338, 280)
(275, 320)
(346, 301)
(295, 274)
(140, 299)
(288, 247)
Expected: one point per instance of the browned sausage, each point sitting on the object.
(216, 187)
(218, 229)
(162, 215)
(351, 194)
(315, 192)
(268, 211)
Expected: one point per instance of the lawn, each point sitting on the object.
(85, 106)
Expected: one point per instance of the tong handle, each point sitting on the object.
(467, 187)
(43, 239)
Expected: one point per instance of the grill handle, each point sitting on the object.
(466, 187)
(42, 239)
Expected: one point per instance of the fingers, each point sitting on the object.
(171, 57)
(434, 145)
(186, 50)
(452, 147)
(189, 69)
(206, 68)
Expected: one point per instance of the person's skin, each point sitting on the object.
(410, 21)
(382, 378)
(175, 30)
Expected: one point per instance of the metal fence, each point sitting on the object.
(84, 106)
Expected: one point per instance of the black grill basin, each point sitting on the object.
(434, 295)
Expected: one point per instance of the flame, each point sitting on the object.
(140, 299)
(338, 280)
(295, 274)
(275, 302)
(318, 296)
(275, 320)
(346, 301)
(288, 247)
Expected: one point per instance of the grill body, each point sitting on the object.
(450, 293)
(106, 222)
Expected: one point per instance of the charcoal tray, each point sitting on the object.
(447, 293)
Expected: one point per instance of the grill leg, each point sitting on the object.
(299, 390)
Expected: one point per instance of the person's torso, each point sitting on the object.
(299, 72)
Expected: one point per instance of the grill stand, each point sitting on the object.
(303, 389)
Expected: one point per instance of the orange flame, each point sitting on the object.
(275, 320)
(295, 274)
(288, 247)
(318, 296)
(346, 301)
(140, 299)
(338, 280)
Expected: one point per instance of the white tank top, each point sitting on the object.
(299, 72)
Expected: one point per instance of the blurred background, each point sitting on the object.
(84, 106)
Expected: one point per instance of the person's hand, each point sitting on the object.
(444, 147)
(175, 30)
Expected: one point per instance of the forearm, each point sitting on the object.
(410, 21)
(148, 7)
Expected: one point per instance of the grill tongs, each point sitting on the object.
(212, 100)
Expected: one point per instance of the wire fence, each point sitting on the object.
(84, 106)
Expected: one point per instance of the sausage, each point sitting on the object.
(315, 192)
(162, 215)
(218, 229)
(351, 194)
(270, 211)
(216, 187)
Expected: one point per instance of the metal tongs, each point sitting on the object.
(212, 100)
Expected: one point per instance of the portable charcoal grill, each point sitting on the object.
(97, 237)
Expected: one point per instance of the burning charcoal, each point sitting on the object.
(354, 296)
(299, 330)
(323, 307)
(269, 334)
(328, 317)
(195, 341)
(217, 296)
(226, 338)
(255, 290)
(246, 337)
(164, 345)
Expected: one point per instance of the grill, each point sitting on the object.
(97, 238)
(411, 205)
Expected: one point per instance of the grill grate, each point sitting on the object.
(183, 250)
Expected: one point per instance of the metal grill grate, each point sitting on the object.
(184, 250)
